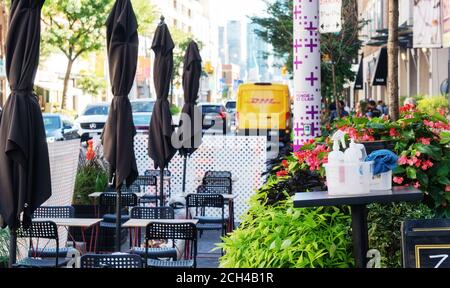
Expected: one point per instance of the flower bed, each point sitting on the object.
(267, 236)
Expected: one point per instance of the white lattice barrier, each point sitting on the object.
(244, 157)
(63, 158)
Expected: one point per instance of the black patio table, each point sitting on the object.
(358, 204)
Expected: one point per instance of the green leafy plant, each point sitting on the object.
(4, 248)
(174, 110)
(91, 177)
(430, 105)
(283, 237)
(384, 228)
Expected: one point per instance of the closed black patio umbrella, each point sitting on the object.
(160, 147)
(191, 130)
(122, 44)
(25, 182)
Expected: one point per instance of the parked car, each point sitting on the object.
(142, 114)
(59, 128)
(231, 109)
(215, 118)
(92, 120)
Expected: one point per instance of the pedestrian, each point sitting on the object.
(372, 111)
(383, 107)
(334, 111)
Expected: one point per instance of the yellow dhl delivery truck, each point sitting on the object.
(263, 108)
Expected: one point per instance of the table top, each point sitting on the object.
(97, 194)
(226, 197)
(397, 194)
(142, 223)
(72, 222)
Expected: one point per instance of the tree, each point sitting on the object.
(341, 49)
(77, 27)
(392, 47)
(182, 40)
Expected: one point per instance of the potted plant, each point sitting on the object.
(92, 176)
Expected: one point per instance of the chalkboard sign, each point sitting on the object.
(426, 243)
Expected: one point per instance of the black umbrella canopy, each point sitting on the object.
(25, 182)
(192, 70)
(122, 44)
(160, 147)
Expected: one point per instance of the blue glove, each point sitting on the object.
(384, 161)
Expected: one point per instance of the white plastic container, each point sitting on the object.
(382, 182)
(349, 178)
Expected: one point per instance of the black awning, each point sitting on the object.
(359, 81)
(380, 75)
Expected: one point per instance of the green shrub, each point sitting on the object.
(175, 110)
(283, 237)
(385, 228)
(432, 105)
(89, 179)
(4, 247)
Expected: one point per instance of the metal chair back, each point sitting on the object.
(41, 230)
(218, 181)
(207, 189)
(150, 213)
(54, 212)
(132, 189)
(173, 231)
(156, 173)
(220, 174)
(111, 261)
(107, 201)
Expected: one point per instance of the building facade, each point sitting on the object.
(3, 32)
(422, 71)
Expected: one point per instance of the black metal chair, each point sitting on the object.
(203, 201)
(152, 213)
(208, 189)
(157, 174)
(91, 261)
(41, 230)
(172, 231)
(108, 206)
(220, 174)
(218, 181)
(52, 212)
(146, 183)
(132, 189)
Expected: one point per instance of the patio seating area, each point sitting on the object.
(159, 237)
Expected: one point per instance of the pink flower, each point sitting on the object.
(417, 185)
(393, 132)
(403, 160)
(447, 189)
(398, 180)
(425, 141)
(418, 154)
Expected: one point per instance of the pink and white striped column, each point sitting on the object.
(307, 78)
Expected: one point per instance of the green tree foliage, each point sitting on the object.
(77, 27)
(340, 48)
(182, 40)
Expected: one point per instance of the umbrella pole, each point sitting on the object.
(161, 187)
(12, 248)
(118, 220)
(184, 174)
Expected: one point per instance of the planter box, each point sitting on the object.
(378, 145)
